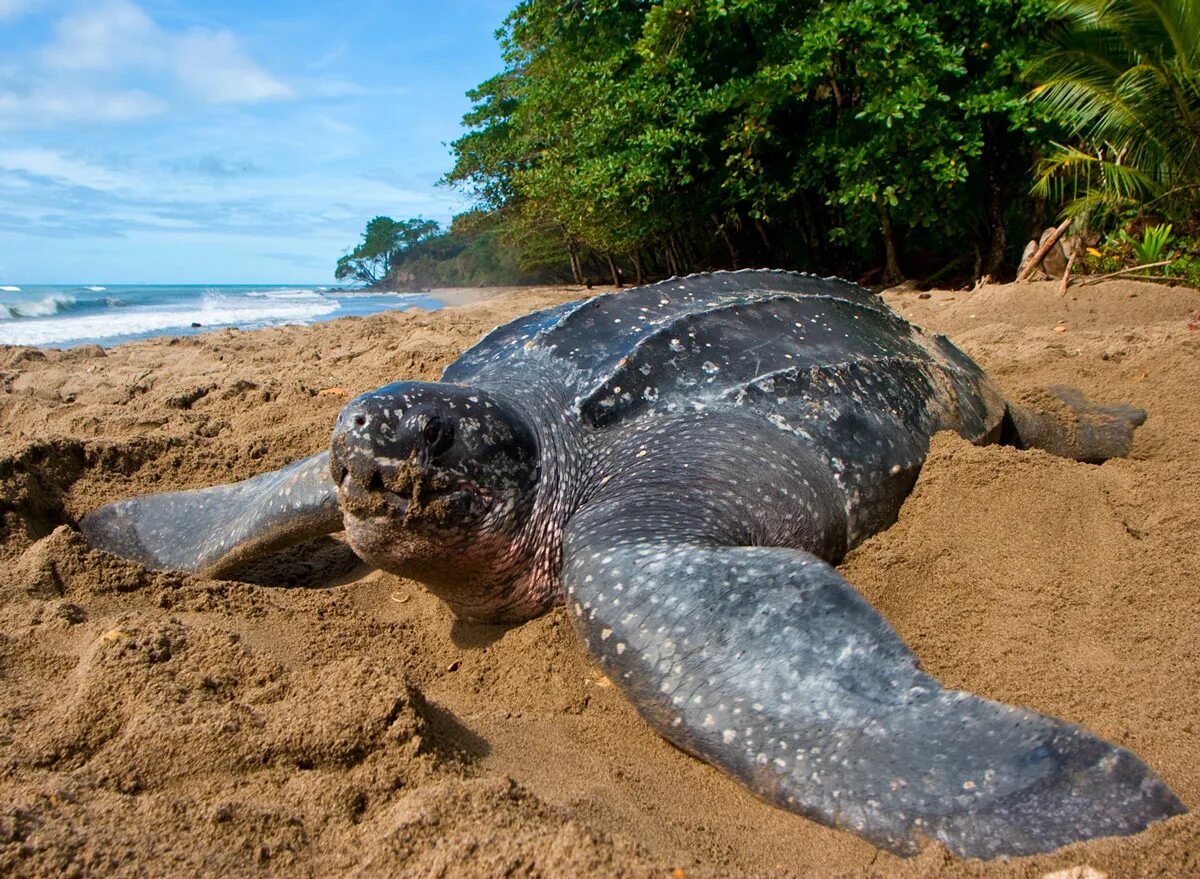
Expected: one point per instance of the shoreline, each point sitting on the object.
(340, 721)
(63, 318)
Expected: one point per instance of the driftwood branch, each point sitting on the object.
(1043, 250)
(1165, 280)
(1099, 278)
(1062, 291)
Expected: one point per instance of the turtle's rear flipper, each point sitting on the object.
(216, 530)
(1065, 423)
(764, 662)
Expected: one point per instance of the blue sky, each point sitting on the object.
(205, 141)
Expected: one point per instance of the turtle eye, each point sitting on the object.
(438, 434)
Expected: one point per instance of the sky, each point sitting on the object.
(225, 141)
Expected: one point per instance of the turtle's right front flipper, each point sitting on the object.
(216, 530)
(764, 662)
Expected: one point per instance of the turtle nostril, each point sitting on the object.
(376, 482)
(360, 420)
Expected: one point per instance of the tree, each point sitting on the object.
(1123, 77)
(383, 242)
(687, 134)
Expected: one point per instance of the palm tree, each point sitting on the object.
(1123, 76)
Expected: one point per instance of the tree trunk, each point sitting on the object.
(892, 274)
(612, 270)
(762, 233)
(635, 257)
(733, 254)
(999, 232)
(812, 233)
(576, 268)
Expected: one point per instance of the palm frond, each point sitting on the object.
(1123, 77)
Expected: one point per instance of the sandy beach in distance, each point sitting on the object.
(318, 718)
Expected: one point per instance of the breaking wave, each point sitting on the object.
(66, 316)
(54, 303)
(214, 311)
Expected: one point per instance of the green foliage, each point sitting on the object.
(1186, 266)
(419, 255)
(1124, 249)
(1153, 244)
(383, 241)
(691, 133)
(1123, 77)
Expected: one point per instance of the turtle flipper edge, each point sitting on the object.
(1066, 423)
(215, 530)
(767, 664)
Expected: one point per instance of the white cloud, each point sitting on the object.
(105, 37)
(142, 196)
(118, 36)
(210, 64)
(61, 169)
(44, 105)
(13, 8)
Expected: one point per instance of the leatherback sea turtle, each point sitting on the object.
(681, 464)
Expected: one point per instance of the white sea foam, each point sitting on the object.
(286, 293)
(215, 311)
(10, 289)
(96, 289)
(44, 307)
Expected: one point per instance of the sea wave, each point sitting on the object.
(215, 311)
(96, 289)
(10, 289)
(286, 293)
(54, 303)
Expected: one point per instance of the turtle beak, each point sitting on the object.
(371, 454)
(383, 451)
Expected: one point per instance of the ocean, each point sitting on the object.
(62, 315)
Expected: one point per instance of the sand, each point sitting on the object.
(316, 718)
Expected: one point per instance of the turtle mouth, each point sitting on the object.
(408, 501)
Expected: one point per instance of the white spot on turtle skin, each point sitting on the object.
(605, 634)
(620, 647)
(728, 736)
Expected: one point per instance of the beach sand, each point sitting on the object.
(317, 718)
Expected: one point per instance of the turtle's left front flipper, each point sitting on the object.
(766, 663)
(216, 530)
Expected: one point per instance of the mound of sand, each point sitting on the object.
(319, 718)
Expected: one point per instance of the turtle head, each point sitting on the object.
(436, 483)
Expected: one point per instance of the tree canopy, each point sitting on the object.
(383, 242)
(874, 139)
(694, 133)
